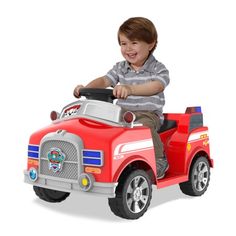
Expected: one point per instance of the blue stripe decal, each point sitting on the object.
(88, 161)
(33, 148)
(93, 154)
(33, 154)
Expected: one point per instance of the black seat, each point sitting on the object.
(168, 124)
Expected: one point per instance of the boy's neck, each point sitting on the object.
(138, 67)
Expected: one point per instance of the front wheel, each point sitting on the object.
(133, 195)
(50, 195)
(199, 178)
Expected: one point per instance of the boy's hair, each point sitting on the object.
(139, 28)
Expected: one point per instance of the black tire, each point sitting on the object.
(199, 178)
(133, 195)
(50, 195)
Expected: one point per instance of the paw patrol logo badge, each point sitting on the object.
(55, 159)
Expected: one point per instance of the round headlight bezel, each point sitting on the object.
(33, 174)
(88, 179)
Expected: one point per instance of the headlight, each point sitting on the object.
(86, 181)
(33, 174)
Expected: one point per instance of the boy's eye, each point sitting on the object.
(122, 44)
(134, 42)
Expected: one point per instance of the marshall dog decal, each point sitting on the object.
(55, 159)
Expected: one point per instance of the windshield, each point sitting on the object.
(93, 108)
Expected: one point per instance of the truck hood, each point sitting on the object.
(87, 129)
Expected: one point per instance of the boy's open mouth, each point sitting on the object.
(131, 55)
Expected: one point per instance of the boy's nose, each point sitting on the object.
(129, 48)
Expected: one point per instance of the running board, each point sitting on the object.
(171, 180)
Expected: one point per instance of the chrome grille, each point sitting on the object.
(70, 166)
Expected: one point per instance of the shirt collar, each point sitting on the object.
(146, 67)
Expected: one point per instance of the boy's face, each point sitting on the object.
(134, 51)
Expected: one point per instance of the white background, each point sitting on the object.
(48, 47)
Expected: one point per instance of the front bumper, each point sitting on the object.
(103, 189)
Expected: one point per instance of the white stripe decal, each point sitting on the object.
(135, 146)
(198, 136)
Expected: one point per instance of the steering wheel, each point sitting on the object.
(105, 95)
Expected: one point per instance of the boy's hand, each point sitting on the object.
(122, 91)
(76, 90)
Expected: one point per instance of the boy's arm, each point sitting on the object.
(147, 89)
(101, 82)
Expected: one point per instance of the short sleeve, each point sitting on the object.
(112, 75)
(161, 74)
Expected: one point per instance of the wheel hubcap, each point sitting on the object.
(137, 194)
(201, 175)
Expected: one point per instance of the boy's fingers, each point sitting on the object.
(114, 92)
(76, 91)
(123, 94)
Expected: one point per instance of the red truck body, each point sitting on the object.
(108, 151)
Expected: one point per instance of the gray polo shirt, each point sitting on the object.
(152, 70)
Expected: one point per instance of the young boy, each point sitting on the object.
(142, 80)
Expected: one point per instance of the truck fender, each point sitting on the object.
(133, 163)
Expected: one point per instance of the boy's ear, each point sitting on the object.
(152, 45)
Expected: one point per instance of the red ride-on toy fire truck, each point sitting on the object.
(92, 146)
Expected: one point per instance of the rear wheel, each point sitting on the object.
(133, 195)
(199, 178)
(50, 195)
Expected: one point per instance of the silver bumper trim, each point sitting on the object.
(98, 188)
